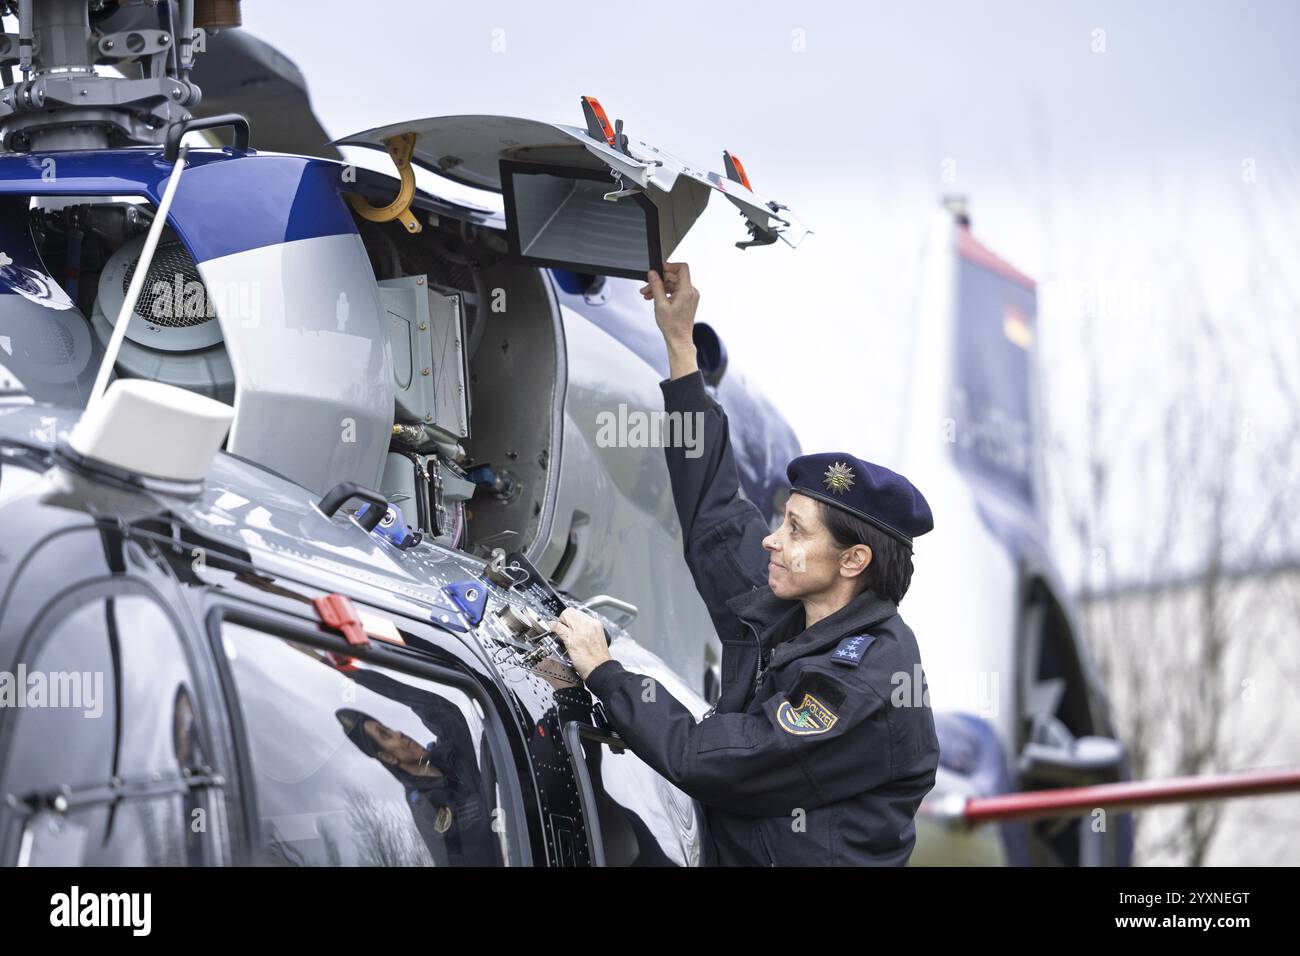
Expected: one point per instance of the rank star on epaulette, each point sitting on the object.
(839, 478)
(851, 649)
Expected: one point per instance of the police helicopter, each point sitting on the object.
(325, 640)
(297, 455)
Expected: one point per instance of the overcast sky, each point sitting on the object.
(1145, 153)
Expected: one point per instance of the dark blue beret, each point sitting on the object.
(873, 493)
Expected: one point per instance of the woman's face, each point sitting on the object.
(803, 558)
(398, 750)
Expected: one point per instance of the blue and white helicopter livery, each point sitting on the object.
(296, 455)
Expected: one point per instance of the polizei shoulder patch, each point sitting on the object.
(810, 717)
(850, 650)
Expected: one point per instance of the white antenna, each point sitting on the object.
(137, 283)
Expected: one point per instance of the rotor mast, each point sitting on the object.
(53, 98)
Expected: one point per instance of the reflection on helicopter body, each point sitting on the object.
(445, 789)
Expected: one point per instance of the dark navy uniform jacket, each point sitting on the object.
(822, 756)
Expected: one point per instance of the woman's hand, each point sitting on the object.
(675, 303)
(584, 639)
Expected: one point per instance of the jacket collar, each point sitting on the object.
(760, 607)
(763, 609)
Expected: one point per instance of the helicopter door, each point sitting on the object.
(588, 200)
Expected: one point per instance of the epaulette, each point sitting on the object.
(850, 650)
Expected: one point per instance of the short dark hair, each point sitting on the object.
(890, 572)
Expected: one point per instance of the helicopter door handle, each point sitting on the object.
(243, 131)
(608, 602)
(345, 491)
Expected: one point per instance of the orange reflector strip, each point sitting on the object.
(598, 111)
(735, 162)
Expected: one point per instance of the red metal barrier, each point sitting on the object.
(1079, 801)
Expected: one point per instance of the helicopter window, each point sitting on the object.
(640, 819)
(354, 765)
(109, 763)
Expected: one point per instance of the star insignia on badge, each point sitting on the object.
(839, 478)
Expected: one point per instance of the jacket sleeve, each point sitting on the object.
(829, 741)
(722, 531)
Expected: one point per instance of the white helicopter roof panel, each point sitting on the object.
(468, 150)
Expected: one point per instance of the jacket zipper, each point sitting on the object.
(762, 841)
(758, 658)
(758, 676)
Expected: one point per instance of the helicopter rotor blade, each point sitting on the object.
(241, 73)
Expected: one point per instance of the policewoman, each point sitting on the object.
(821, 746)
